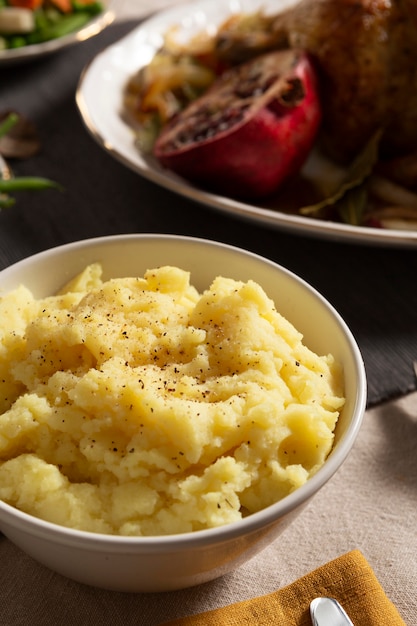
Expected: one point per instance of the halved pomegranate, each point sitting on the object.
(250, 131)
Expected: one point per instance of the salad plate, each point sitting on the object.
(15, 56)
(100, 102)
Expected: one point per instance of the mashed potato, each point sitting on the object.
(138, 406)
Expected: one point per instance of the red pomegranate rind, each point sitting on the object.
(252, 130)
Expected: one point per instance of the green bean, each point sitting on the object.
(20, 183)
(8, 123)
(23, 183)
(94, 8)
(17, 41)
(66, 25)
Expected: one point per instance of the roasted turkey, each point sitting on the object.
(366, 54)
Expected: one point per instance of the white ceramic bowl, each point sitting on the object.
(177, 561)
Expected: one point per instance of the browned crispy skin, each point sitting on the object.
(366, 53)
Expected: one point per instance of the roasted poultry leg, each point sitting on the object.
(366, 54)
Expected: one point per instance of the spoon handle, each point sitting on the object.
(328, 612)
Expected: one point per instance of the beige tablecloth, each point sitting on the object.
(370, 504)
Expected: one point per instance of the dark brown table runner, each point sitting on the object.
(373, 288)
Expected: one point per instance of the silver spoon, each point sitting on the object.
(328, 612)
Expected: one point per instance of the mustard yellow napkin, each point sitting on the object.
(348, 578)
